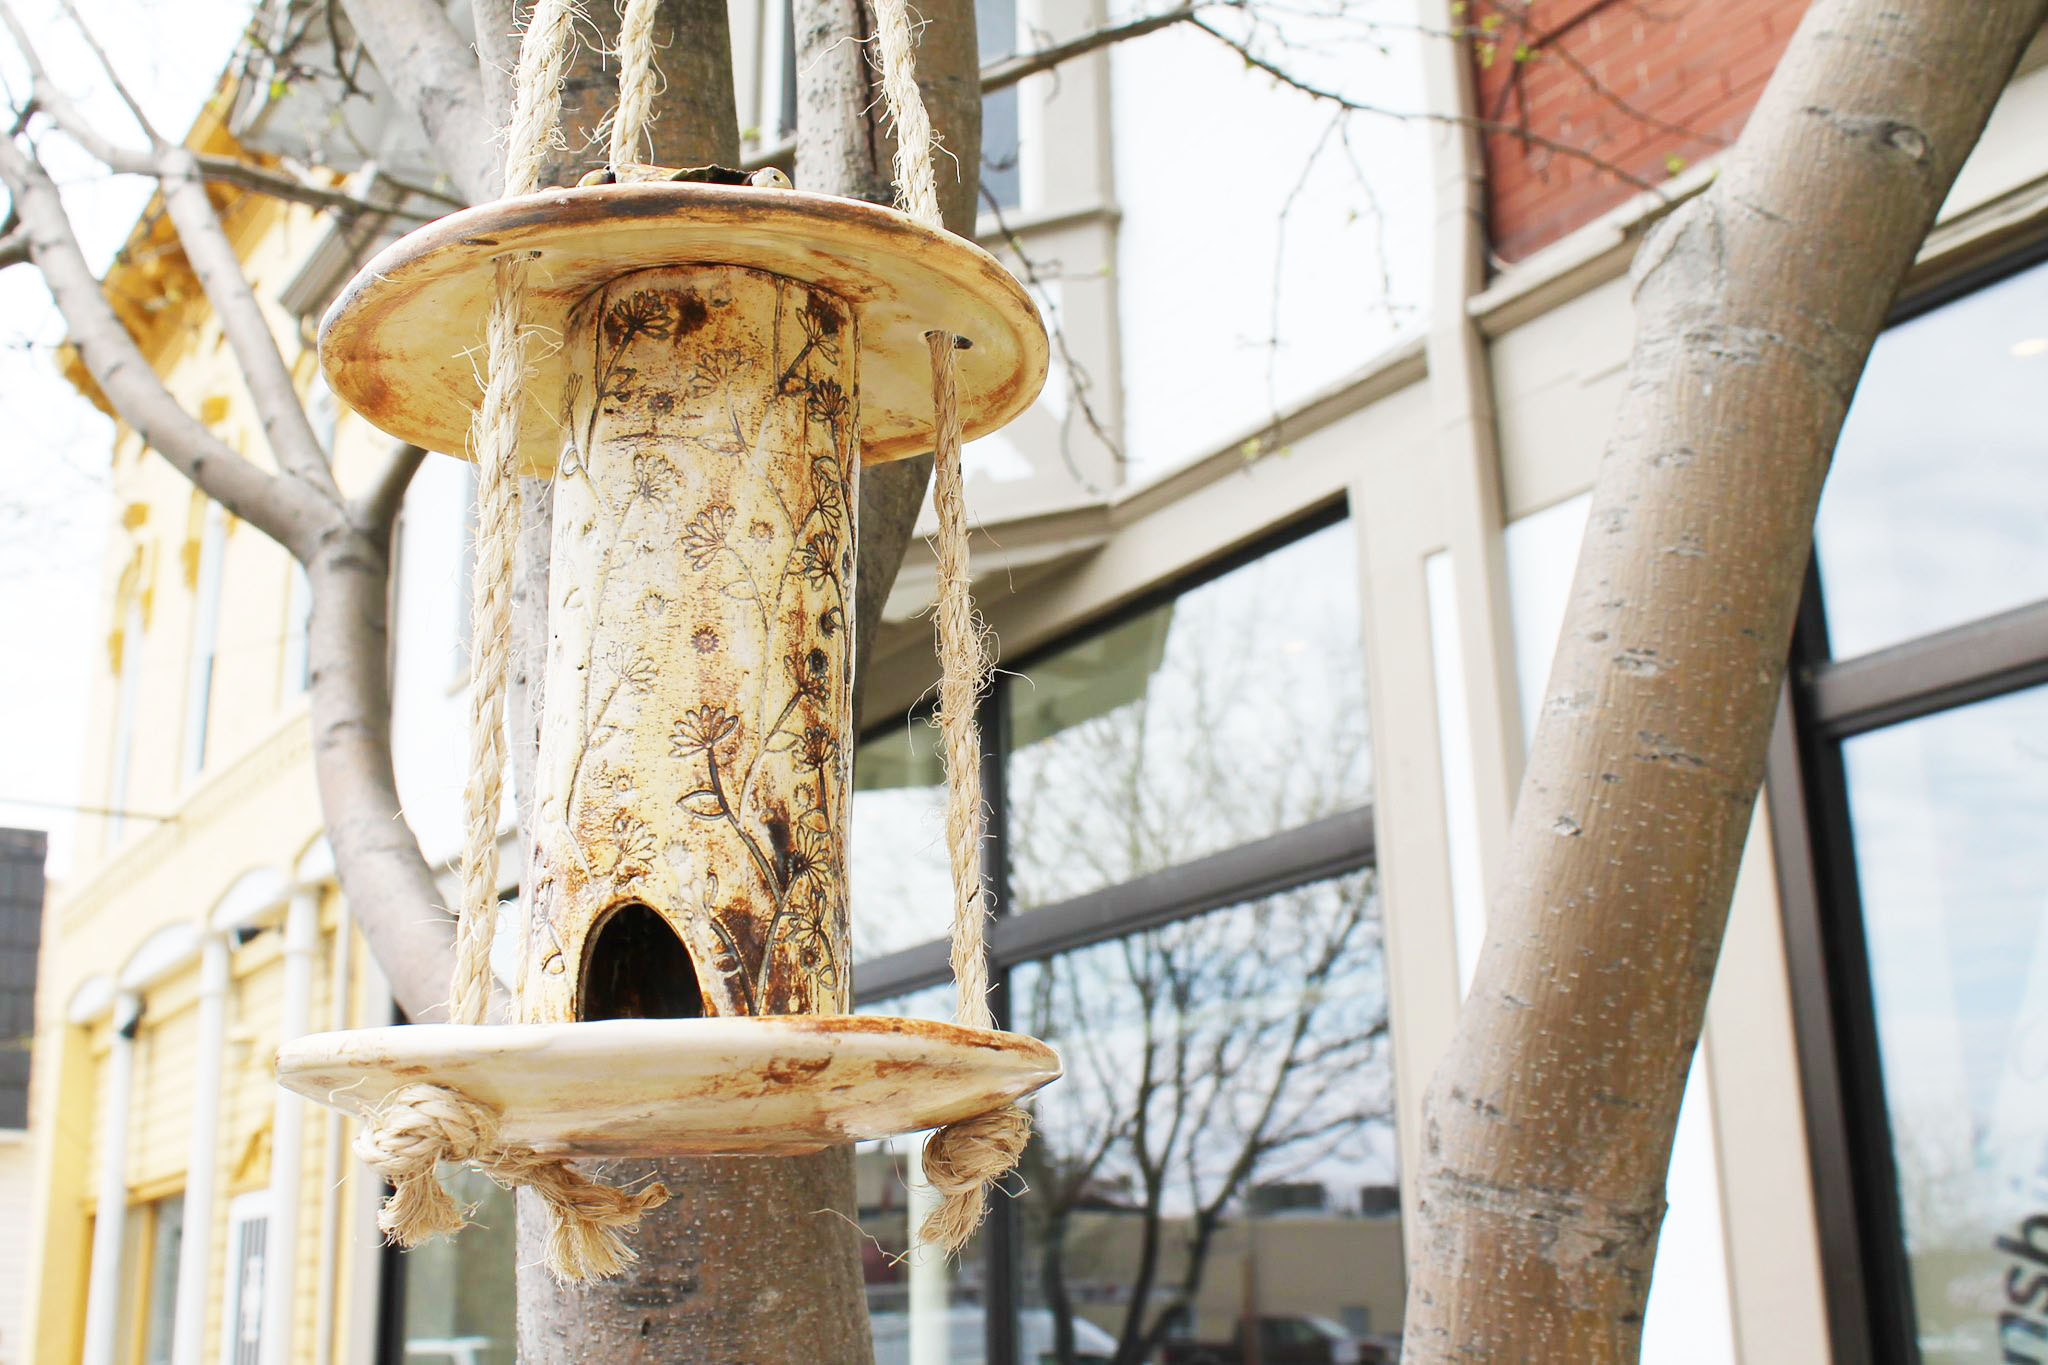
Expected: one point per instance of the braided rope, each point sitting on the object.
(638, 81)
(419, 1126)
(962, 1160)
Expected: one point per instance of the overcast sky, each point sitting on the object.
(54, 499)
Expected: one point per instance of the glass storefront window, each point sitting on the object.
(1235, 711)
(902, 888)
(1948, 815)
(458, 1303)
(1933, 511)
(1219, 1160)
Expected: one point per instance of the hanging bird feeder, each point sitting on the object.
(729, 357)
(701, 362)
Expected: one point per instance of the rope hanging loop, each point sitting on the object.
(962, 1160)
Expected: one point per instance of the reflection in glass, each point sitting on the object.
(1948, 815)
(995, 25)
(1235, 711)
(459, 1291)
(902, 888)
(167, 1242)
(1934, 509)
(1219, 1159)
(923, 1308)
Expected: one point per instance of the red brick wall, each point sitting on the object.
(1641, 86)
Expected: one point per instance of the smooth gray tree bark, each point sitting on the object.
(1549, 1124)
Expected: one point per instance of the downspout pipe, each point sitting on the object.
(202, 1165)
(366, 1193)
(288, 1133)
(930, 1322)
(110, 1223)
(331, 1149)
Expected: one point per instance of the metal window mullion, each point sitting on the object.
(999, 1233)
(1867, 1282)
(1329, 847)
(1968, 663)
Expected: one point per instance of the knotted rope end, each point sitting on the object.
(587, 1220)
(962, 1161)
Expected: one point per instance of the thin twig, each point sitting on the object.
(1078, 382)
(107, 65)
(1294, 82)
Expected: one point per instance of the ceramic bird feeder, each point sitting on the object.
(721, 362)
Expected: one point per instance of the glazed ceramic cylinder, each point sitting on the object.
(690, 827)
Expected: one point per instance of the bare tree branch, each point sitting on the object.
(247, 175)
(377, 507)
(46, 97)
(263, 370)
(50, 99)
(497, 53)
(433, 73)
(1002, 74)
(287, 512)
(388, 884)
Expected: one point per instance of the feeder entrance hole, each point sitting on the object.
(636, 968)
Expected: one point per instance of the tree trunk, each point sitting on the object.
(843, 148)
(1549, 1124)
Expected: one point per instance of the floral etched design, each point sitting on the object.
(741, 567)
(701, 728)
(642, 313)
(654, 478)
(704, 537)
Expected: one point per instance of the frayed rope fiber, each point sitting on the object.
(962, 1160)
(421, 1125)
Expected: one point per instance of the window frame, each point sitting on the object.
(243, 1210)
(1866, 1273)
(1330, 846)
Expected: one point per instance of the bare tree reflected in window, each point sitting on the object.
(1217, 1069)
(1233, 712)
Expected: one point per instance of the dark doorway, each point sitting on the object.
(636, 968)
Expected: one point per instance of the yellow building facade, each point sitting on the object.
(172, 1177)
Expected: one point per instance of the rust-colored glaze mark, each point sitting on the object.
(795, 1070)
(694, 756)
